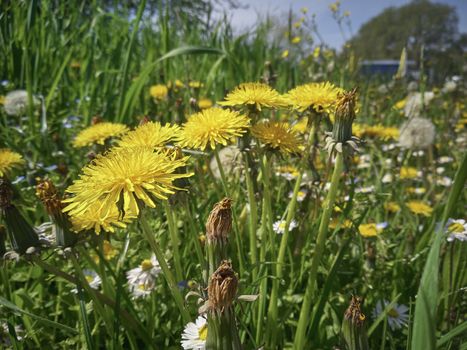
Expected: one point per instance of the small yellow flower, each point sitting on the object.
(369, 230)
(195, 84)
(296, 40)
(316, 52)
(304, 10)
(150, 134)
(204, 103)
(392, 207)
(336, 222)
(285, 54)
(2, 100)
(335, 6)
(407, 172)
(277, 135)
(257, 95)
(297, 24)
(416, 190)
(159, 91)
(400, 104)
(98, 133)
(9, 160)
(287, 171)
(322, 97)
(212, 126)
(421, 208)
(301, 126)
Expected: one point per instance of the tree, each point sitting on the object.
(418, 24)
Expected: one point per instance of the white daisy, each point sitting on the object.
(457, 229)
(444, 181)
(279, 226)
(368, 189)
(444, 159)
(194, 335)
(397, 316)
(387, 178)
(141, 280)
(301, 195)
(92, 278)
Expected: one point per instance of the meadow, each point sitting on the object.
(166, 184)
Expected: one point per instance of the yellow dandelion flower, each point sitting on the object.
(257, 94)
(301, 126)
(322, 97)
(316, 52)
(336, 222)
(408, 172)
(369, 230)
(121, 178)
(2, 100)
(420, 208)
(287, 171)
(297, 24)
(296, 40)
(285, 54)
(382, 132)
(392, 207)
(159, 91)
(400, 104)
(9, 160)
(97, 219)
(98, 133)
(277, 135)
(195, 84)
(205, 103)
(150, 134)
(212, 126)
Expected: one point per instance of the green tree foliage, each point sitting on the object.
(418, 24)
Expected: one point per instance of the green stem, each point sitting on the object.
(253, 221)
(273, 310)
(169, 277)
(175, 241)
(221, 172)
(299, 342)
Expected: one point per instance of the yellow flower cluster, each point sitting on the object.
(9, 160)
(98, 133)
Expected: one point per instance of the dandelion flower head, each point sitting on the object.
(420, 208)
(258, 95)
(98, 133)
(159, 91)
(322, 97)
(9, 160)
(212, 126)
(277, 135)
(150, 134)
(123, 177)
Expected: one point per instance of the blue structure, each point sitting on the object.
(384, 67)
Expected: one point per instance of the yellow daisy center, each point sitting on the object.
(203, 332)
(146, 265)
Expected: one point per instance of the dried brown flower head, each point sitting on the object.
(48, 194)
(222, 288)
(219, 221)
(353, 312)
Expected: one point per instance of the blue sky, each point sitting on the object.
(361, 11)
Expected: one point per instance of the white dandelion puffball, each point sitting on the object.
(417, 133)
(16, 102)
(413, 106)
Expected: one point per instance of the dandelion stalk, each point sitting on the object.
(253, 219)
(169, 277)
(175, 241)
(339, 143)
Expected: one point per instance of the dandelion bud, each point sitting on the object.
(353, 326)
(21, 233)
(49, 196)
(219, 221)
(222, 288)
(341, 135)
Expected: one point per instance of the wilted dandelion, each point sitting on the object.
(277, 136)
(98, 134)
(321, 97)
(257, 95)
(195, 334)
(9, 160)
(121, 178)
(150, 134)
(211, 127)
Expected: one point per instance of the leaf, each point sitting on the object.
(43, 320)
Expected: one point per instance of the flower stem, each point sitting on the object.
(253, 221)
(273, 310)
(169, 277)
(175, 241)
(299, 342)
